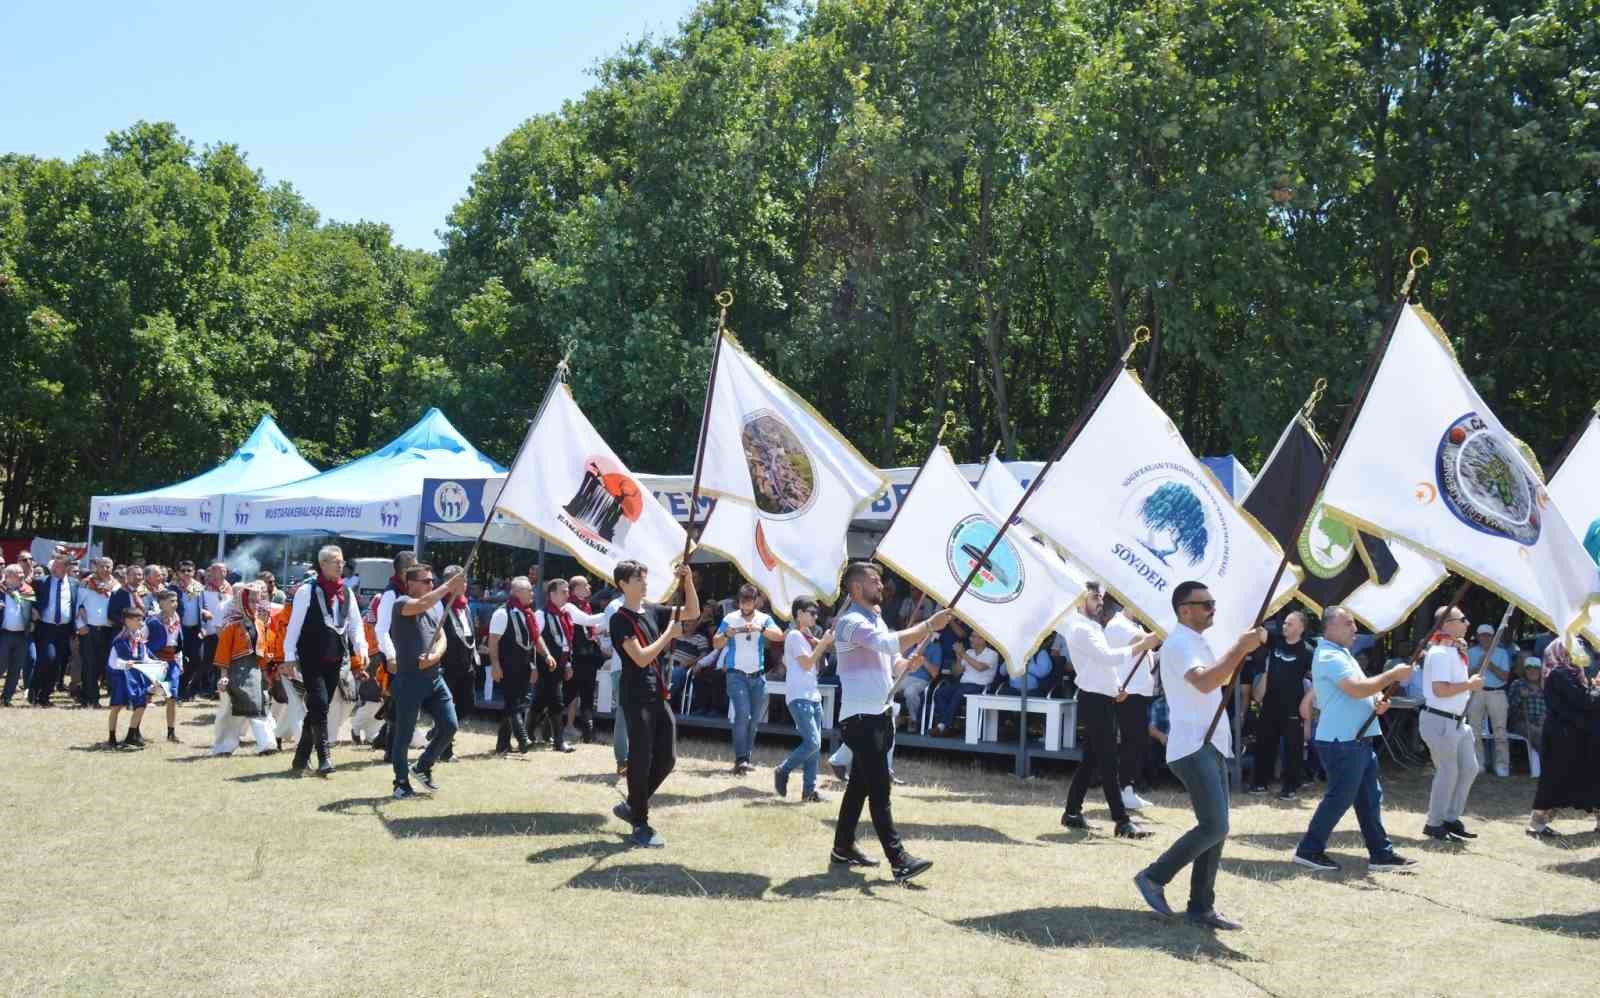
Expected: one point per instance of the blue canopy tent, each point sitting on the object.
(376, 497)
(266, 458)
(1233, 475)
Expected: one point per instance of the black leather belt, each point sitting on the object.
(1458, 718)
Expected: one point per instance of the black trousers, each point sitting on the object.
(652, 751)
(1269, 728)
(549, 702)
(1098, 713)
(458, 678)
(1133, 731)
(514, 691)
(870, 737)
(195, 663)
(93, 650)
(585, 684)
(321, 682)
(208, 653)
(54, 644)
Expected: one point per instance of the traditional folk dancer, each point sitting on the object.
(587, 660)
(369, 723)
(1100, 669)
(643, 692)
(1446, 689)
(460, 663)
(240, 658)
(324, 632)
(869, 656)
(1346, 698)
(514, 638)
(165, 639)
(1193, 679)
(417, 637)
(288, 694)
(802, 660)
(130, 686)
(549, 700)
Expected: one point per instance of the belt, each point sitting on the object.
(1458, 718)
(758, 674)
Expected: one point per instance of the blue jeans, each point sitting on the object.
(746, 693)
(1205, 775)
(807, 716)
(414, 691)
(947, 700)
(1352, 779)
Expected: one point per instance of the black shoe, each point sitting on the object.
(645, 837)
(623, 811)
(1288, 795)
(563, 747)
(811, 797)
(1070, 820)
(1212, 920)
(111, 742)
(910, 867)
(780, 782)
(1153, 893)
(325, 770)
(1459, 829)
(1319, 861)
(135, 739)
(840, 773)
(403, 791)
(895, 780)
(740, 768)
(1390, 861)
(850, 857)
(1128, 830)
(1255, 791)
(425, 777)
(1441, 832)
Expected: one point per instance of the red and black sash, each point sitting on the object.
(643, 637)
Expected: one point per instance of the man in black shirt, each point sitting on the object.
(1286, 662)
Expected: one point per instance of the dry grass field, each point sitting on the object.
(167, 872)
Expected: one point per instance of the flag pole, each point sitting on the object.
(1572, 441)
(948, 421)
(560, 375)
(1422, 649)
(724, 300)
(1140, 336)
(1419, 258)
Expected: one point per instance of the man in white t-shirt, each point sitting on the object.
(1446, 691)
(1193, 677)
(1133, 711)
(975, 668)
(742, 639)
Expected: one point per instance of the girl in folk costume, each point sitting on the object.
(164, 636)
(240, 660)
(287, 694)
(130, 686)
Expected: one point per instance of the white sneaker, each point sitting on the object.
(1132, 801)
(1502, 772)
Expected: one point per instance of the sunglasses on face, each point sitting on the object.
(1209, 604)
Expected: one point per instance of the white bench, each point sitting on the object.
(1060, 718)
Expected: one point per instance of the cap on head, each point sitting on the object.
(1485, 629)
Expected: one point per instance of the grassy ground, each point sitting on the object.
(166, 872)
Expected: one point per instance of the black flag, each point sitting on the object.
(1336, 557)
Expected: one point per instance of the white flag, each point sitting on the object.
(1385, 607)
(1575, 487)
(801, 482)
(1019, 593)
(569, 487)
(1130, 502)
(733, 530)
(999, 487)
(1427, 462)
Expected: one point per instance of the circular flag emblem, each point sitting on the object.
(1484, 483)
(780, 469)
(450, 501)
(999, 578)
(1326, 545)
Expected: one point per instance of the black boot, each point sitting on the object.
(502, 741)
(519, 731)
(586, 726)
(324, 764)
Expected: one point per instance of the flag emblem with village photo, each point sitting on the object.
(781, 472)
(1485, 485)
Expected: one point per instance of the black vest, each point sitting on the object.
(318, 646)
(585, 650)
(513, 658)
(555, 638)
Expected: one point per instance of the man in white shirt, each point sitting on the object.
(742, 638)
(1101, 669)
(1193, 678)
(1446, 688)
(96, 630)
(1133, 712)
(1490, 700)
(869, 654)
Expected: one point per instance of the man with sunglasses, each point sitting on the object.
(1347, 697)
(419, 643)
(1193, 678)
(1445, 728)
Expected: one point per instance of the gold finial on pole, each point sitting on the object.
(1419, 259)
(1141, 336)
(949, 421)
(565, 366)
(724, 300)
(1317, 391)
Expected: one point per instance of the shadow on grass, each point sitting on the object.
(199, 721)
(1274, 871)
(310, 773)
(1286, 842)
(830, 881)
(1091, 926)
(731, 793)
(1589, 869)
(597, 779)
(491, 823)
(673, 880)
(1585, 925)
(593, 851)
(976, 834)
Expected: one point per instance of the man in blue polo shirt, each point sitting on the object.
(1347, 697)
(742, 639)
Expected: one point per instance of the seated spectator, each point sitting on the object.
(914, 687)
(1525, 703)
(976, 668)
(1041, 669)
(687, 651)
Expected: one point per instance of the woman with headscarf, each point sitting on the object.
(1568, 752)
(241, 659)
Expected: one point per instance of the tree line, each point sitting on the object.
(919, 205)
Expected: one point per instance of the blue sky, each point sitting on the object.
(373, 111)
